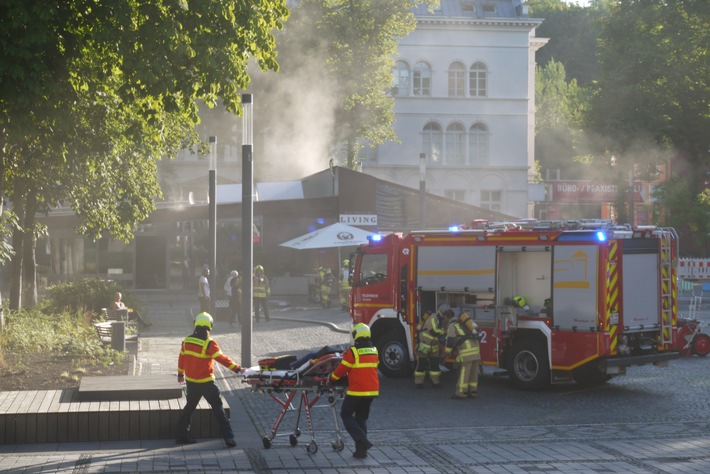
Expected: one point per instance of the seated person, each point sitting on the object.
(132, 315)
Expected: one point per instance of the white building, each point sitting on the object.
(465, 97)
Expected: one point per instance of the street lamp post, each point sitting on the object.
(247, 222)
(422, 190)
(213, 221)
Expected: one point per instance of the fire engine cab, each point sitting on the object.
(598, 298)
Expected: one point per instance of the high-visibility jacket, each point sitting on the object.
(360, 365)
(197, 356)
(261, 286)
(467, 346)
(429, 337)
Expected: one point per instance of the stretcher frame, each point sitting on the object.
(305, 385)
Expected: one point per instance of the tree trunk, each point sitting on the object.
(17, 244)
(29, 260)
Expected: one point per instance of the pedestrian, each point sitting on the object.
(360, 365)
(118, 304)
(235, 296)
(462, 335)
(427, 351)
(261, 292)
(203, 289)
(195, 367)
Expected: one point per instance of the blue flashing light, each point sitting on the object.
(601, 236)
(454, 228)
(374, 237)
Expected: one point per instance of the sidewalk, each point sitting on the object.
(425, 437)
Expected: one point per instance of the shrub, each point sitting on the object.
(86, 295)
(32, 330)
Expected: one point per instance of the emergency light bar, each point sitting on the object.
(374, 238)
(582, 236)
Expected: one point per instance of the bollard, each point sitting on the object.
(118, 336)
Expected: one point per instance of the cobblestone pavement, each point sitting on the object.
(653, 420)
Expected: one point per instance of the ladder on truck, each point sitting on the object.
(666, 288)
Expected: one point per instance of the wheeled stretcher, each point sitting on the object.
(308, 382)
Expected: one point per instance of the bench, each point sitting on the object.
(105, 330)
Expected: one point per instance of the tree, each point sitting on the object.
(338, 55)
(93, 93)
(653, 87)
(559, 115)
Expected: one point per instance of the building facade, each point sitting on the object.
(465, 101)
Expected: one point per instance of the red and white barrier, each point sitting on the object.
(694, 268)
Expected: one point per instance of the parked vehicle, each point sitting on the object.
(598, 300)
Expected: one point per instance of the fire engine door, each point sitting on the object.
(574, 289)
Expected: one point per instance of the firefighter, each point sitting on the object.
(344, 278)
(427, 353)
(261, 293)
(360, 365)
(462, 335)
(195, 366)
(326, 286)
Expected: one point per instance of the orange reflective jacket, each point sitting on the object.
(360, 364)
(197, 356)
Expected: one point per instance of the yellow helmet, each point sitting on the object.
(204, 319)
(258, 267)
(520, 301)
(360, 330)
(346, 263)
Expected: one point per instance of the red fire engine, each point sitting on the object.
(599, 298)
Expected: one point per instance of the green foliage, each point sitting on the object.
(30, 330)
(86, 295)
(653, 85)
(676, 206)
(92, 94)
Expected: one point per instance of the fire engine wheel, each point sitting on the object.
(394, 357)
(528, 366)
(701, 345)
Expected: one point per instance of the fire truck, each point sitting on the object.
(599, 298)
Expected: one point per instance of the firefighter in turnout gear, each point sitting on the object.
(261, 290)
(360, 365)
(195, 366)
(326, 286)
(463, 336)
(431, 331)
(344, 278)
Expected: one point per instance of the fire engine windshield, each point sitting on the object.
(373, 268)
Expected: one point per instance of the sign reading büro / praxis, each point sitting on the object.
(359, 219)
(587, 191)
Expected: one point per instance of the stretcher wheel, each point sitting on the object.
(312, 447)
(293, 439)
(338, 445)
(297, 432)
(331, 399)
(266, 441)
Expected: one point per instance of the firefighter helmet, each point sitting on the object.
(204, 319)
(519, 301)
(258, 268)
(361, 330)
(346, 263)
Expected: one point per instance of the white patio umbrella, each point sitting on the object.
(335, 235)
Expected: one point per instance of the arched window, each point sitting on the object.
(432, 142)
(478, 144)
(457, 80)
(455, 144)
(422, 79)
(401, 78)
(478, 80)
